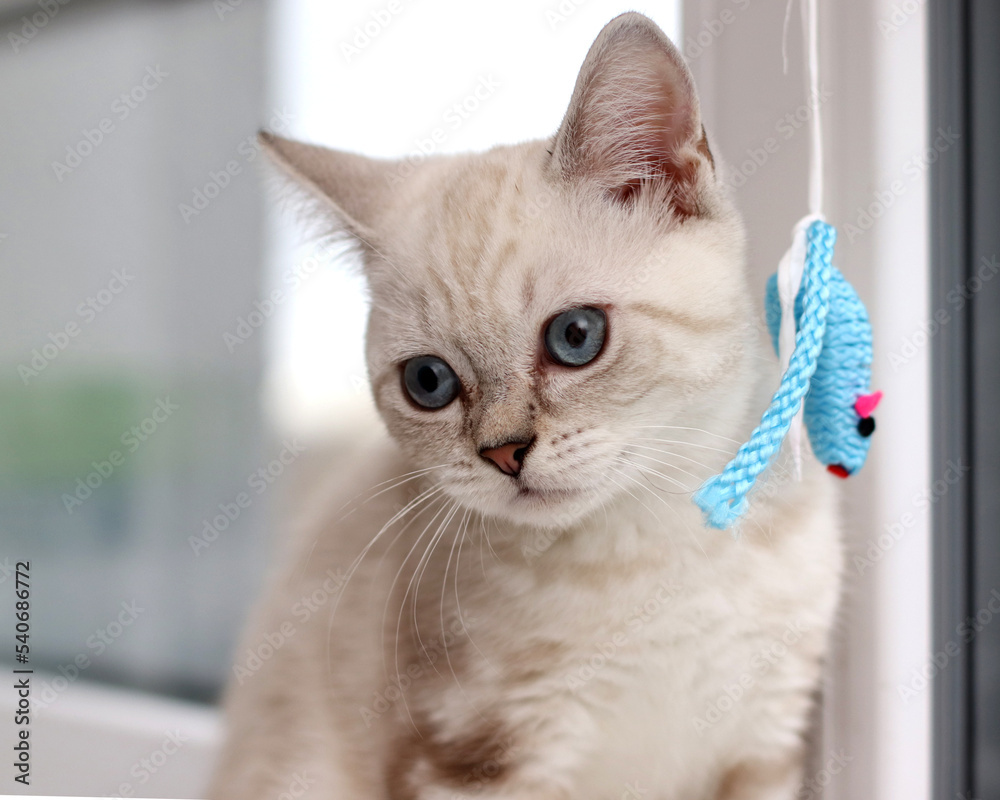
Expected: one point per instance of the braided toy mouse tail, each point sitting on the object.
(724, 497)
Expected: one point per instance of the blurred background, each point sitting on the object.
(148, 379)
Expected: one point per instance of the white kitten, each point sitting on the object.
(521, 600)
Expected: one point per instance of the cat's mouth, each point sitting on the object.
(545, 502)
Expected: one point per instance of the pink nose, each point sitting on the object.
(508, 457)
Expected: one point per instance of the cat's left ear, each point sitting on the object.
(634, 120)
(353, 189)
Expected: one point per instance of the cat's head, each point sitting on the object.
(537, 310)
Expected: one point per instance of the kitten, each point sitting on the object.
(521, 599)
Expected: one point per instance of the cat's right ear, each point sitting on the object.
(349, 187)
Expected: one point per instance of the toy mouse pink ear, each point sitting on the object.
(866, 404)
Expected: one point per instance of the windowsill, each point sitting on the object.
(97, 740)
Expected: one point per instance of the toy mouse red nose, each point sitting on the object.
(508, 457)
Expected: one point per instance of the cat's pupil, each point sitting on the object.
(428, 379)
(576, 334)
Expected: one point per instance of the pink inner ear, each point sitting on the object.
(866, 404)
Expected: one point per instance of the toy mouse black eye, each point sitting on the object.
(866, 426)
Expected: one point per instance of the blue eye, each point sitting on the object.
(430, 382)
(575, 337)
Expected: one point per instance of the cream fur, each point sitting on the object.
(575, 632)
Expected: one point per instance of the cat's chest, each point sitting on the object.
(662, 656)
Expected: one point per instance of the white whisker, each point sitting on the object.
(667, 463)
(402, 566)
(397, 481)
(688, 428)
(418, 576)
(420, 499)
(624, 489)
(644, 470)
(725, 451)
(673, 510)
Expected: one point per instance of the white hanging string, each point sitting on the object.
(792, 264)
(816, 122)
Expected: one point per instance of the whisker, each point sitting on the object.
(624, 489)
(644, 469)
(489, 543)
(665, 452)
(444, 505)
(406, 478)
(414, 475)
(402, 565)
(418, 576)
(696, 430)
(458, 604)
(667, 463)
(420, 499)
(672, 510)
(444, 584)
(459, 537)
(397, 537)
(482, 536)
(399, 480)
(722, 450)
